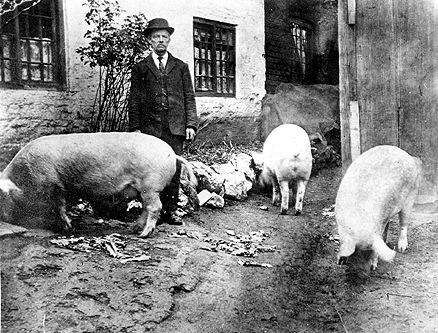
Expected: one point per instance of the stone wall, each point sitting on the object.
(26, 114)
(322, 14)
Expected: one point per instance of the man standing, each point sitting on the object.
(162, 103)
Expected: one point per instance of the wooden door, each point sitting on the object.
(389, 69)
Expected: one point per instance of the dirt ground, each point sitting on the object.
(185, 288)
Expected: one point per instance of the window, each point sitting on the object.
(301, 51)
(214, 54)
(30, 45)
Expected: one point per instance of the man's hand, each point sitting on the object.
(190, 134)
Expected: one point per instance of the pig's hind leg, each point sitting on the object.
(301, 189)
(63, 214)
(404, 217)
(284, 189)
(151, 212)
(60, 204)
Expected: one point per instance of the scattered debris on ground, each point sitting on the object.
(115, 245)
(329, 211)
(332, 238)
(246, 245)
(189, 234)
(249, 245)
(253, 263)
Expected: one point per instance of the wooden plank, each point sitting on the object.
(354, 130)
(376, 73)
(417, 40)
(351, 12)
(347, 77)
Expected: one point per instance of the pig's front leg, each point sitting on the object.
(150, 214)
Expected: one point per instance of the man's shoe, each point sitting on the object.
(174, 219)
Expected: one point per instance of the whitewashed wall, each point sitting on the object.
(29, 113)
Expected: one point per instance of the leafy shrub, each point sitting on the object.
(114, 46)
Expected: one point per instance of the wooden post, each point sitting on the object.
(347, 77)
(351, 12)
(354, 130)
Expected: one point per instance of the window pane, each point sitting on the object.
(35, 52)
(196, 36)
(7, 23)
(34, 26)
(6, 46)
(45, 8)
(48, 73)
(7, 70)
(47, 52)
(47, 28)
(230, 87)
(22, 23)
(24, 50)
(219, 86)
(35, 72)
(24, 72)
(209, 73)
(33, 10)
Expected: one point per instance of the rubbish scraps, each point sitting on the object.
(249, 245)
(142, 257)
(253, 263)
(329, 211)
(240, 245)
(332, 238)
(114, 244)
(190, 234)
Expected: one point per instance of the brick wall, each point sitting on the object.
(322, 14)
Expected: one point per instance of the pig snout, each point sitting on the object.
(287, 159)
(379, 184)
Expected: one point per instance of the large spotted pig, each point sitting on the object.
(287, 158)
(380, 183)
(98, 167)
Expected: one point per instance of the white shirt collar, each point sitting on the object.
(164, 60)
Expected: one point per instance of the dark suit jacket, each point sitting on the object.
(144, 115)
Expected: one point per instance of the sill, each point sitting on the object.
(16, 86)
(211, 94)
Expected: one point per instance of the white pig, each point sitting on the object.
(287, 158)
(380, 183)
(98, 167)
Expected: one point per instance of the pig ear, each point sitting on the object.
(257, 158)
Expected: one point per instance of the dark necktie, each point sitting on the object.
(160, 64)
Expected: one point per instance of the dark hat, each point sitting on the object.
(156, 24)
